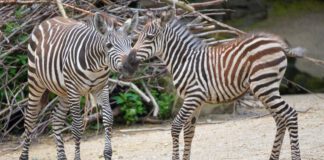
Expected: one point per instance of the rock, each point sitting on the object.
(248, 11)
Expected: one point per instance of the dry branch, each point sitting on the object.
(155, 105)
(23, 2)
(133, 86)
(206, 4)
(78, 9)
(316, 61)
(61, 9)
(16, 47)
(189, 8)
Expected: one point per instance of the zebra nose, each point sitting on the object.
(131, 59)
(123, 58)
(131, 63)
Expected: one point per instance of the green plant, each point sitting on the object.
(10, 27)
(19, 13)
(164, 100)
(131, 106)
(22, 38)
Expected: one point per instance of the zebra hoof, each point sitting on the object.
(61, 156)
(274, 158)
(175, 158)
(23, 157)
(107, 155)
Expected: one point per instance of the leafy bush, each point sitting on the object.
(131, 106)
(165, 101)
(10, 27)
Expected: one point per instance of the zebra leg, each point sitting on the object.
(292, 125)
(107, 122)
(59, 117)
(35, 97)
(189, 132)
(77, 123)
(285, 117)
(280, 134)
(189, 106)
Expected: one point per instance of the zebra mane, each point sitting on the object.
(109, 19)
(185, 32)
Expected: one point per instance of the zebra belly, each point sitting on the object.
(215, 98)
(226, 90)
(52, 80)
(58, 87)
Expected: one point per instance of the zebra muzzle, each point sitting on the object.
(130, 64)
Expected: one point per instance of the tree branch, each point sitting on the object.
(133, 86)
(206, 4)
(189, 8)
(155, 105)
(61, 9)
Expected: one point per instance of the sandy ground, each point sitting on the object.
(247, 138)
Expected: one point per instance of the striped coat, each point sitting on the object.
(217, 74)
(72, 59)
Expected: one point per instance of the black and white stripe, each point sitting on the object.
(72, 59)
(217, 74)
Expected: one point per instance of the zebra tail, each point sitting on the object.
(297, 52)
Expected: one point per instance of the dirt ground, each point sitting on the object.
(246, 138)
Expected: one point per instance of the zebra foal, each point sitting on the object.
(72, 59)
(217, 74)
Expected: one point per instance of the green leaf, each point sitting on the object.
(19, 12)
(118, 99)
(9, 27)
(22, 37)
(23, 59)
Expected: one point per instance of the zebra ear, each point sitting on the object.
(149, 16)
(167, 16)
(101, 24)
(130, 24)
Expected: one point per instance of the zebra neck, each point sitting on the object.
(179, 47)
(95, 58)
(181, 52)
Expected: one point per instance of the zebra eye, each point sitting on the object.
(109, 45)
(150, 36)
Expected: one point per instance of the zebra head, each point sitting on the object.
(117, 41)
(149, 42)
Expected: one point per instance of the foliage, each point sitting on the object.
(293, 8)
(131, 106)
(165, 101)
(19, 13)
(10, 27)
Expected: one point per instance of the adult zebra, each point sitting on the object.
(217, 74)
(72, 59)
